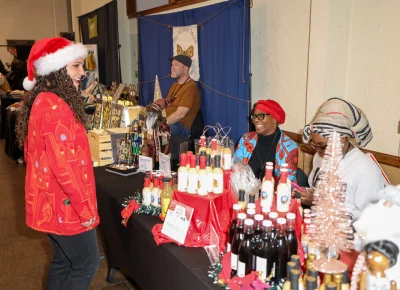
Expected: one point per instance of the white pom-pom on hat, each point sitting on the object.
(28, 85)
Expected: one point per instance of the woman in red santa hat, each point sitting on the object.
(268, 143)
(60, 194)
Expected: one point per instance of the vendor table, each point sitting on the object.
(6, 101)
(133, 249)
(11, 146)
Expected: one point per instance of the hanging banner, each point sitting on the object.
(185, 41)
(90, 66)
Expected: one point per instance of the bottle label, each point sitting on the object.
(228, 247)
(227, 161)
(203, 183)
(261, 267)
(283, 198)
(218, 183)
(241, 271)
(182, 181)
(192, 183)
(164, 205)
(154, 198)
(267, 194)
(234, 261)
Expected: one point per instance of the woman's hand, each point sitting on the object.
(307, 195)
(89, 223)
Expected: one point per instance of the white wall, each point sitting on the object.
(338, 48)
(17, 21)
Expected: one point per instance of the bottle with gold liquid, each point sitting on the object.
(337, 279)
(166, 196)
(241, 199)
(327, 279)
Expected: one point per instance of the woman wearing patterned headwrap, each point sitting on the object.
(268, 143)
(362, 177)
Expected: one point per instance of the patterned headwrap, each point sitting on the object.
(344, 118)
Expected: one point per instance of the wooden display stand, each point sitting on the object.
(100, 147)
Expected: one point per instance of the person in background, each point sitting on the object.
(268, 143)
(60, 191)
(185, 95)
(18, 69)
(363, 179)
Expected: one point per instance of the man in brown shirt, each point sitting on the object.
(183, 110)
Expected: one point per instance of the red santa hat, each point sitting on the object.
(50, 55)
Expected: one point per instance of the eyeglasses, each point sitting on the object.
(258, 116)
(316, 147)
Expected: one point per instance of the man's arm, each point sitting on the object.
(178, 115)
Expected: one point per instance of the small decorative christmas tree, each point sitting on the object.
(157, 90)
(330, 228)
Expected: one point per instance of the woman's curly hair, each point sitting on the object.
(58, 82)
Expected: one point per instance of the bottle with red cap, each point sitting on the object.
(286, 166)
(202, 144)
(236, 210)
(182, 174)
(267, 188)
(146, 192)
(155, 192)
(214, 150)
(192, 176)
(203, 177)
(189, 155)
(283, 193)
(237, 239)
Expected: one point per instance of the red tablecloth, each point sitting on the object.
(214, 210)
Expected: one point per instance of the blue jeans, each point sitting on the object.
(75, 261)
(179, 129)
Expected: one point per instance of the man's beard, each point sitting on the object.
(174, 76)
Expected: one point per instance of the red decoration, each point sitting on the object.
(213, 210)
(128, 211)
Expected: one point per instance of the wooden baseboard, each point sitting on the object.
(383, 158)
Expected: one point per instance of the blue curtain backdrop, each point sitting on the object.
(223, 56)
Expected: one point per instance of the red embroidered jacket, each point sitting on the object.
(60, 191)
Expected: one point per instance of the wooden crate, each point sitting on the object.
(100, 147)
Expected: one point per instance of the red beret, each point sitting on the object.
(273, 108)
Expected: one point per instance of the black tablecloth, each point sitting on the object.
(11, 146)
(5, 101)
(133, 248)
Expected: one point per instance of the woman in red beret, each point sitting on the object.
(268, 143)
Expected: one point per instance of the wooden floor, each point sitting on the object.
(25, 253)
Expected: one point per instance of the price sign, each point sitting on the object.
(165, 164)
(145, 163)
(177, 221)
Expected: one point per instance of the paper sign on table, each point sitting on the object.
(145, 163)
(165, 164)
(177, 221)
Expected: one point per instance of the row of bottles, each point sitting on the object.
(159, 192)
(197, 176)
(221, 149)
(259, 244)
